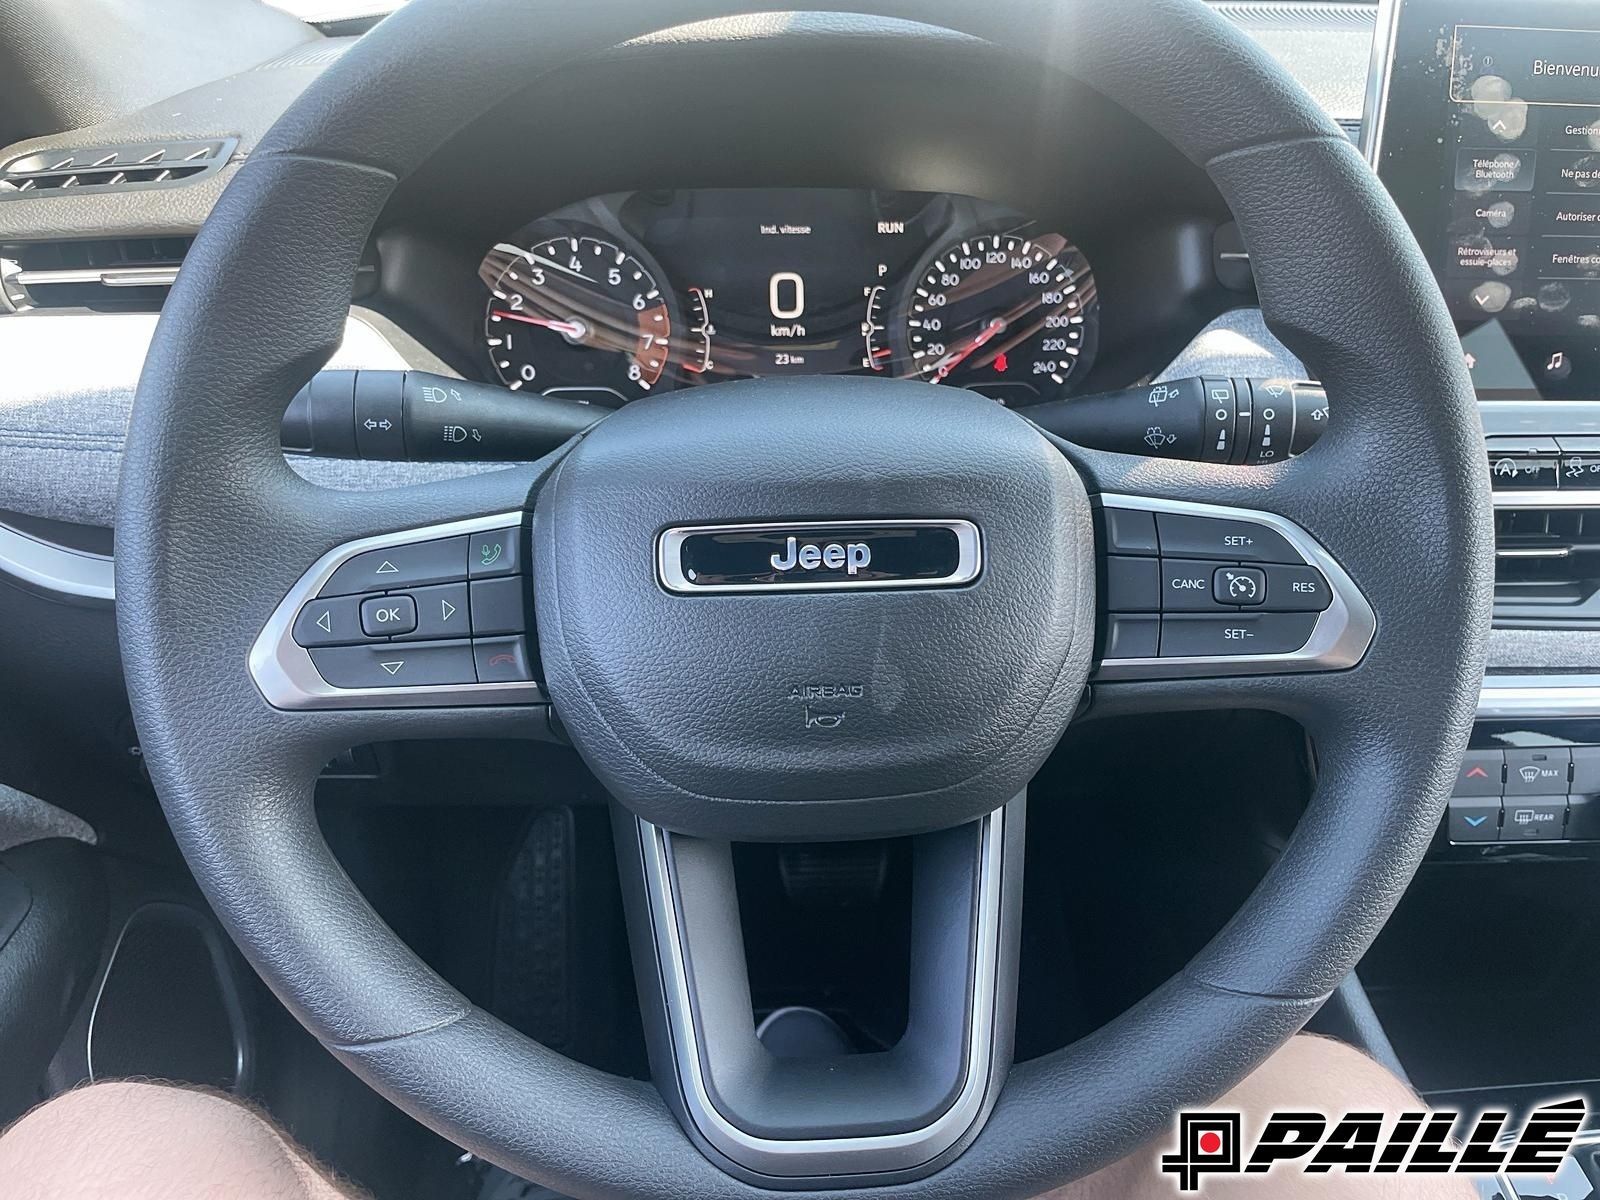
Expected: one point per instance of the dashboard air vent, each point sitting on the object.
(113, 168)
(110, 274)
(1547, 568)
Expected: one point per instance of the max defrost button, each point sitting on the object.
(1235, 634)
(396, 664)
(1538, 772)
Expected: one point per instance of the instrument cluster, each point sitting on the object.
(628, 294)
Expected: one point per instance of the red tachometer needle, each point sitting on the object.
(571, 328)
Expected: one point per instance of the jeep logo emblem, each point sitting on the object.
(819, 556)
(851, 556)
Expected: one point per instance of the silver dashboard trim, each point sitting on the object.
(669, 560)
(285, 675)
(47, 567)
(1554, 498)
(1339, 640)
(1375, 107)
(1512, 697)
(806, 1157)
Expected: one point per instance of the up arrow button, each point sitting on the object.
(400, 567)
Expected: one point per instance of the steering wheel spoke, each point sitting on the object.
(769, 1115)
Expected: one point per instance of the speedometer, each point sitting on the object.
(1012, 316)
(575, 314)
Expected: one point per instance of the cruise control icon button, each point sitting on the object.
(1239, 585)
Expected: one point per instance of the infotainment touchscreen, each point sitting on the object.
(1487, 134)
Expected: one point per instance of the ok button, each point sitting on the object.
(384, 616)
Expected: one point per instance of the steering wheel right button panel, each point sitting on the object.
(1241, 592)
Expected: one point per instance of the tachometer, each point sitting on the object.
(575, 313)
(999, 310)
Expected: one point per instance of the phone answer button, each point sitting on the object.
(502, 659)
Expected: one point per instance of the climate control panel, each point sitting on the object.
(1546, 793)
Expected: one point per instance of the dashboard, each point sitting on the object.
(638, 292)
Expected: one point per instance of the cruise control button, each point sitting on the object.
(502, 660)
(498, 606)
(1297, 589)
(441, 612)
(1473, 820)
(1537, 772)
(1189, 536)
(1132, 636)
(396, 664)
(385, 616)
(1234, 634)
(329, 622)
(1480, 773)
(1245, 586)
(1132, 584)
(495, 553)
(1186, 585)
(400, 567)
(1534, 820)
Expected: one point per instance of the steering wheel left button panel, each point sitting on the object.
(391, 621)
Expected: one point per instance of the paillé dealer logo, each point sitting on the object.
(1211, 1143)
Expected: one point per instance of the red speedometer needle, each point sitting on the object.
(572, 329)
(956, 357)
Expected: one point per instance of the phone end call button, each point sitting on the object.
(502, 660)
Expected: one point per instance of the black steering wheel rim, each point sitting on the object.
(213, 528)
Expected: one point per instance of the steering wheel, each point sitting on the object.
(953, 623)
